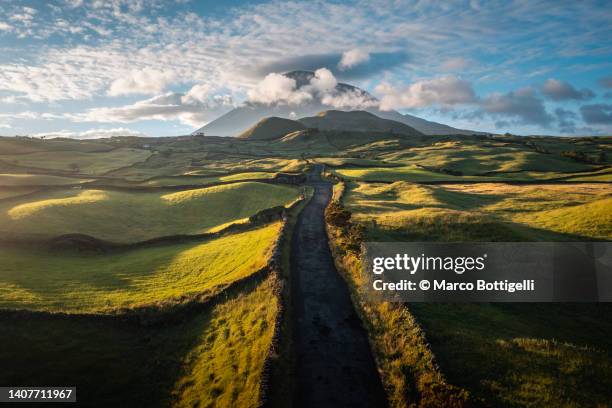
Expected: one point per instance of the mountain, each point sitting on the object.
(242, 118)
(271, 128)
(356, 121)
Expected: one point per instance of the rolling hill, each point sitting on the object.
(356, 121)
(271, 128)
(238, 120)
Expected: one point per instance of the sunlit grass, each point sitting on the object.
(126, 217)
(215, 355)
(497, 211)
(73, 282)
(224, 368)
(196, 180)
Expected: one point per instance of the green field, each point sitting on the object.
(503, 354)
(134, 216)
(84, 282)
(421, 188)
(10, 193)
(78, 162)
(483, 211)
(37, 180)
(197, 180)
(405, 173)
(472, 158)
(217, 354)
(533, 355)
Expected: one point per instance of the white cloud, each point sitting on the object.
(322, 87)
(221, 51)
(5, 27)
(349, 100)
(146, 81)
(74, 3)
(522, 105)
(444, 91)
(323, 81)
(194, 108)
(90, 134)
(352, 58)
(560, 90)
(277, 88)
(455, 64)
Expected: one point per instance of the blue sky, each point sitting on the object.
(87, 69)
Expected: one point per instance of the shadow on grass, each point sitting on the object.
(468, 229)
(110, 361)
(524, 354)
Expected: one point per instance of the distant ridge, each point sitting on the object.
(242, 118)
(271, 128)
(356, 121)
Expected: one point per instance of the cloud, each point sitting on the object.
(322, 88)
(352, 58)
(561, 91)
(455, 64)
(194, 108)
(323, 82)
(523, 105)
(605, 82)
(5, 27)
(445, 91)
(378, 62)
(597, 114)
(55, 63)
(566, 120)
(90, 134)
(147, 81)
(277, 88)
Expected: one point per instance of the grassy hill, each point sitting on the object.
(482, 211)
(271, 128)
(357, 121)
(84, 282)
(121, 216)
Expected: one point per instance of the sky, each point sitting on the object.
(85, 69)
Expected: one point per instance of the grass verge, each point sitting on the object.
(406, 364)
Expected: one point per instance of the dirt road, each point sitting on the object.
(335, 367)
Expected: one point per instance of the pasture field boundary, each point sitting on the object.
(168, 312)
(87, 242)
(222, 174)
(406, 363)
(92, 185)
(175, 309)
(559, 181)
(68, 173)
(32, 193)
(153, 153)
(572, 173)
